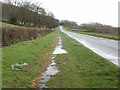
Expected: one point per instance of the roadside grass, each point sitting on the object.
(31, 52)
(83, 68)
(81, 31)
(116, 37)
(6, 24)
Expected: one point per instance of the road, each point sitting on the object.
(106, 48)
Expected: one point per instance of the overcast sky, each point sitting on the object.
(83, 11)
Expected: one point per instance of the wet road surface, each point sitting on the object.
(106, 48)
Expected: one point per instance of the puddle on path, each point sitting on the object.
(52, 69)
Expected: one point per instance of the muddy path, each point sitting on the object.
(50, 67)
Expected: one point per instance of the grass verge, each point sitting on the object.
(83, 68)
(31, 52)
(81, 31)
(6, 24)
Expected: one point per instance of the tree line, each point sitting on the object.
(99, 28)
(91, 27)
(68, 23)
(27, 14)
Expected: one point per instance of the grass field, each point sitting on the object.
(81, 31)
(31, 52)
(83, 68)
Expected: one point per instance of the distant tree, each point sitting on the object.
(99, 28)
(68, 23)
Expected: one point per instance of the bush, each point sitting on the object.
(13, 20)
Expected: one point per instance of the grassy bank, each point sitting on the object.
(82, 68)
(116, 37)
(31, 52)
(82, 31)
(6, 24)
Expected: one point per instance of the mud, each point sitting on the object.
(52, 68)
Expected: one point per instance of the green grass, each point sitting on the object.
(6, 24)
(81, 31)
(31, 52)
(102, 35)
(83, 68)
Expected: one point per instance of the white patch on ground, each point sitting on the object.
(58, 48)
(17, 64)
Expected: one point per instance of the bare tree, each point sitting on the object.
(28, 14)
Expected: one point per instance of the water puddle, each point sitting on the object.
(58, 48)
(52, 69)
